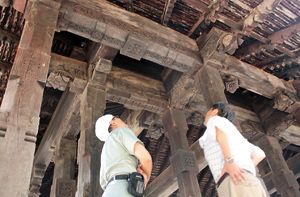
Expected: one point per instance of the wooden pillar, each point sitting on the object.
(93, 103)
(209, 81)
(283, 178)
(21, 105)
(183, 160)
(63, 178)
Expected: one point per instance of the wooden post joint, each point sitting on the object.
(287, 102)
(231, 83)
(183, 160)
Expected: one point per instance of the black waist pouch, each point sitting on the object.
(136, 184)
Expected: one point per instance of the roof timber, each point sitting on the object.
(257, 15)
(212, 15)
(169, 5)
(75, 9)
(250, 77)
(135, 36)
(293, 164)
(273, 41)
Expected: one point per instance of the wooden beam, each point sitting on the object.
(258, 15)
(52, 135)
(214, 8)
(293, 164)
(168, 9)
(198, 4)
(99, 51)
(164, 184)
(274, 40)
(283, 178)
(132, 119)
(103, 25)
(129, 5)
(284, 34)
(292, 134)
(4, 33)
(136, 91)
(250, 77)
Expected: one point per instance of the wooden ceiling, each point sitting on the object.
(268, 35)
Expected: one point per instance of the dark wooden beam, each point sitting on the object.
(168, 9)
(164, 184)
(120, 29)
(198, 4)
(136, 91)
(284, 34)
(52, 135)
(258, 15)
(129, 5)
(283, 178)
(4, 33)
(250, 77)
(274, 41)
(211, 16)
(98, 51)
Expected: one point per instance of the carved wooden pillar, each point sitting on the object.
(183, 160)
(63, 178)
(93, 103)
(23, 98)
(283, 178)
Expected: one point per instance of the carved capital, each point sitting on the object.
(57, 80)
(196, 119)
(231, 83)
(286, 101)
(228, 44)
(248, 129)
(183, 160)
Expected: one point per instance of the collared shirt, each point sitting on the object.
(117, 155)
(241, 150)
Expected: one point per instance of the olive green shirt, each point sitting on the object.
(118, 155)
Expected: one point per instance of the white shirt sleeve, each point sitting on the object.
(255, 151)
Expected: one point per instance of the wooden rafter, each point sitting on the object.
(214, 8)
(129, 5)
(169, 5)
(274, 42)
(258, 15)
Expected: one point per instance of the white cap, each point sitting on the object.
(102, 125)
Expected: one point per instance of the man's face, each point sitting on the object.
(118, 122)
(211, 113)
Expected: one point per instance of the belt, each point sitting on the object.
(226, 175)
(118, 177)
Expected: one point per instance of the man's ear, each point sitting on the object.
(215, 112)
(112, 123)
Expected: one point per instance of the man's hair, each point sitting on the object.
(225, 111)
(109, 129)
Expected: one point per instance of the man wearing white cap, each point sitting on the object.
(123, 153)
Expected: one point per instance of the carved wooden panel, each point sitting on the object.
(65, 188)
(134, 48)
(183, 160)
(162, 50)
(135, 91)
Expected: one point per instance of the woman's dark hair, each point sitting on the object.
(225, 111)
